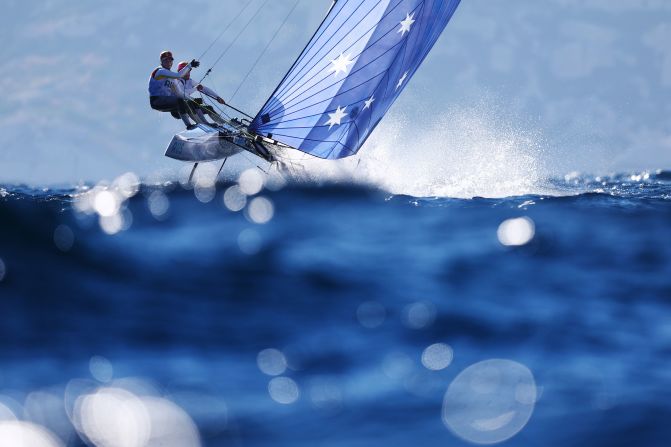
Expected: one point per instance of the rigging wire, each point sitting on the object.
(225, 104)
(315, 37)
(225, 29)
(288, 91)
(258, 59)
(259, 9)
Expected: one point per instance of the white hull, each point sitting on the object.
(203, 144)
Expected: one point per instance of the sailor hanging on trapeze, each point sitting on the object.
(186, 86)
(163, 95)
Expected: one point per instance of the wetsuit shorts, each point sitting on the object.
(167, 104)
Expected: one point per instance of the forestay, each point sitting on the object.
(355, 66)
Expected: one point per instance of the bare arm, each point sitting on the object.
(209, 92)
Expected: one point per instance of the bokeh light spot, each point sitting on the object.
(271, 362)
(101, 368)
(260, 210)
(113, 417)
(249, 242)
(419, 315)
(283, 390)
(205, 194)
(325, 393)
(234, 199)
(46, 408)
(526, 394)
(275, 181)
(205, 176)
(516, 232)
(3, 269)
(397, 366)
(490, 401)
(251, 182)
(111, 224)
(170, 425)
(158, 204)
(106, 203)
(127, 184)
(64, 238)
(437, 356)
(6, 414)
(371, 314)
(26, 434)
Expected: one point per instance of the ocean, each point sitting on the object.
(254, 313)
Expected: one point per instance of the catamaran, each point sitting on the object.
(354, 67)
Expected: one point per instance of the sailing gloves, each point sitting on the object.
(195, 63)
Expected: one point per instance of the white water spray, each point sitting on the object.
(461, 154)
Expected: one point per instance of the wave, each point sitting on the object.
(342, 179)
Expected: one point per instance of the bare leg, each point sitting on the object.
(190, 110)
(186, 120)
(193, 115)
(184, 112)
(201, 116)
(214, 116)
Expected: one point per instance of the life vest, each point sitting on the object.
(160, 87)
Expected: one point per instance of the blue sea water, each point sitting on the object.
(340, 315)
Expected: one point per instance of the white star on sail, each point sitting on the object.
(400, 81)
(369, 102)
(341, 64)
(336, 117)
(406, 24)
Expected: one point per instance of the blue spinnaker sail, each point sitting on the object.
(357, 63)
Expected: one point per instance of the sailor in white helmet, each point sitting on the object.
(186, 86)
(163, 95)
